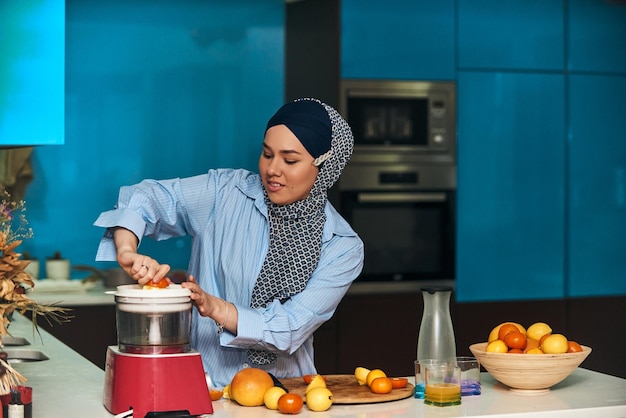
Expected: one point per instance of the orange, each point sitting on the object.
(399, 382)
(381, 385)
(493, 335)
(505, 330)
(515, 351)
(515, 340)
(290, 403)
(530, 344)
(215, 394)
(374, 374)
(249, 385)
(308, 378)
(574, 347)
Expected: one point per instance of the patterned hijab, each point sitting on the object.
(296, 229)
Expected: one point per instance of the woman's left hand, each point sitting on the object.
(199, 297)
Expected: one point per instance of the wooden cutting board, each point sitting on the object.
(346, 390)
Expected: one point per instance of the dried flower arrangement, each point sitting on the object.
(14, 280)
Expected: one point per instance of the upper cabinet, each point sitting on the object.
(597, 30)
(509, 34)
(405, 39)
(32, 72)
(510, 212)
(597, 184)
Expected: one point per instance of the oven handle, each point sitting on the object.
(401, 197)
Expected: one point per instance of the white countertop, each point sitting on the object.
(67, 385)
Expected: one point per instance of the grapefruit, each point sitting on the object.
(249, 385)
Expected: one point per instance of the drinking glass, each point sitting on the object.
(470, 374)
(420, 365)
(442, 385)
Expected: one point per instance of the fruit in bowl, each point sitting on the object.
(532, 359)
(530, 371)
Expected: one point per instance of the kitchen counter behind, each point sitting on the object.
(67, 385)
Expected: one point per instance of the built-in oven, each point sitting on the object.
(408, 231)
(398, 192)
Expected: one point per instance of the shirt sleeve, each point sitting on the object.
(284, 327)
(151, 208)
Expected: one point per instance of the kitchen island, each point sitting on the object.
(68, 386)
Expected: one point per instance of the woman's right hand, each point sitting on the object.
(140, 267)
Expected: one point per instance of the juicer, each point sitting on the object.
(153, 369)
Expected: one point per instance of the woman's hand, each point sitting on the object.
(222, 312)
(140, 267)
(199, 297)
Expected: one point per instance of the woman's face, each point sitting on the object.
(286, 167)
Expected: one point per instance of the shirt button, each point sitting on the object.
(246, 365)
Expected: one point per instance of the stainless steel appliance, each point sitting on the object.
(399, 190)
(400, 119)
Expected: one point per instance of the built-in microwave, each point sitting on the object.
(416, 119)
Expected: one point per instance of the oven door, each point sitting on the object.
(407, 235)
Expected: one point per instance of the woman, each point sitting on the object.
(271, 258)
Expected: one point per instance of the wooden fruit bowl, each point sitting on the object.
(529, 372)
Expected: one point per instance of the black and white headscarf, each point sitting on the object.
(296, 229)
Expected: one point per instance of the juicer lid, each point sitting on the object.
(137, 291)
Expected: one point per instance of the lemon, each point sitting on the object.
(493, 335)
(319, 399)
(554, 344)
(535, 350)
(317, 382)
(538, 330)
(496, 346)
(226, 394)
(374, 374)
(270, 399)
(360, 374)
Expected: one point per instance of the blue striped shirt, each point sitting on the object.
(225, 214)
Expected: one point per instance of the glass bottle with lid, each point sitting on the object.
(436, 334)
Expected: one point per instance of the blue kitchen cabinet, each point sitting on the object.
(511, 167)
(597, 34)
(597, 184)
(32, 72)
(405, 40)
(510, 34)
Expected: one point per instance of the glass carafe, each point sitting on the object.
(436, 335)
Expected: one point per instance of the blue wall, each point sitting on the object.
(153, 89)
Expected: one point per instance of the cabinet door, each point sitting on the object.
(511, 162)
(406, 39)
(32, 72)
(511, 34)
(597, 30)
(597, 233)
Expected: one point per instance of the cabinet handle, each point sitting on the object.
(401, 197)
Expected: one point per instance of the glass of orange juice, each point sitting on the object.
(442, 385)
